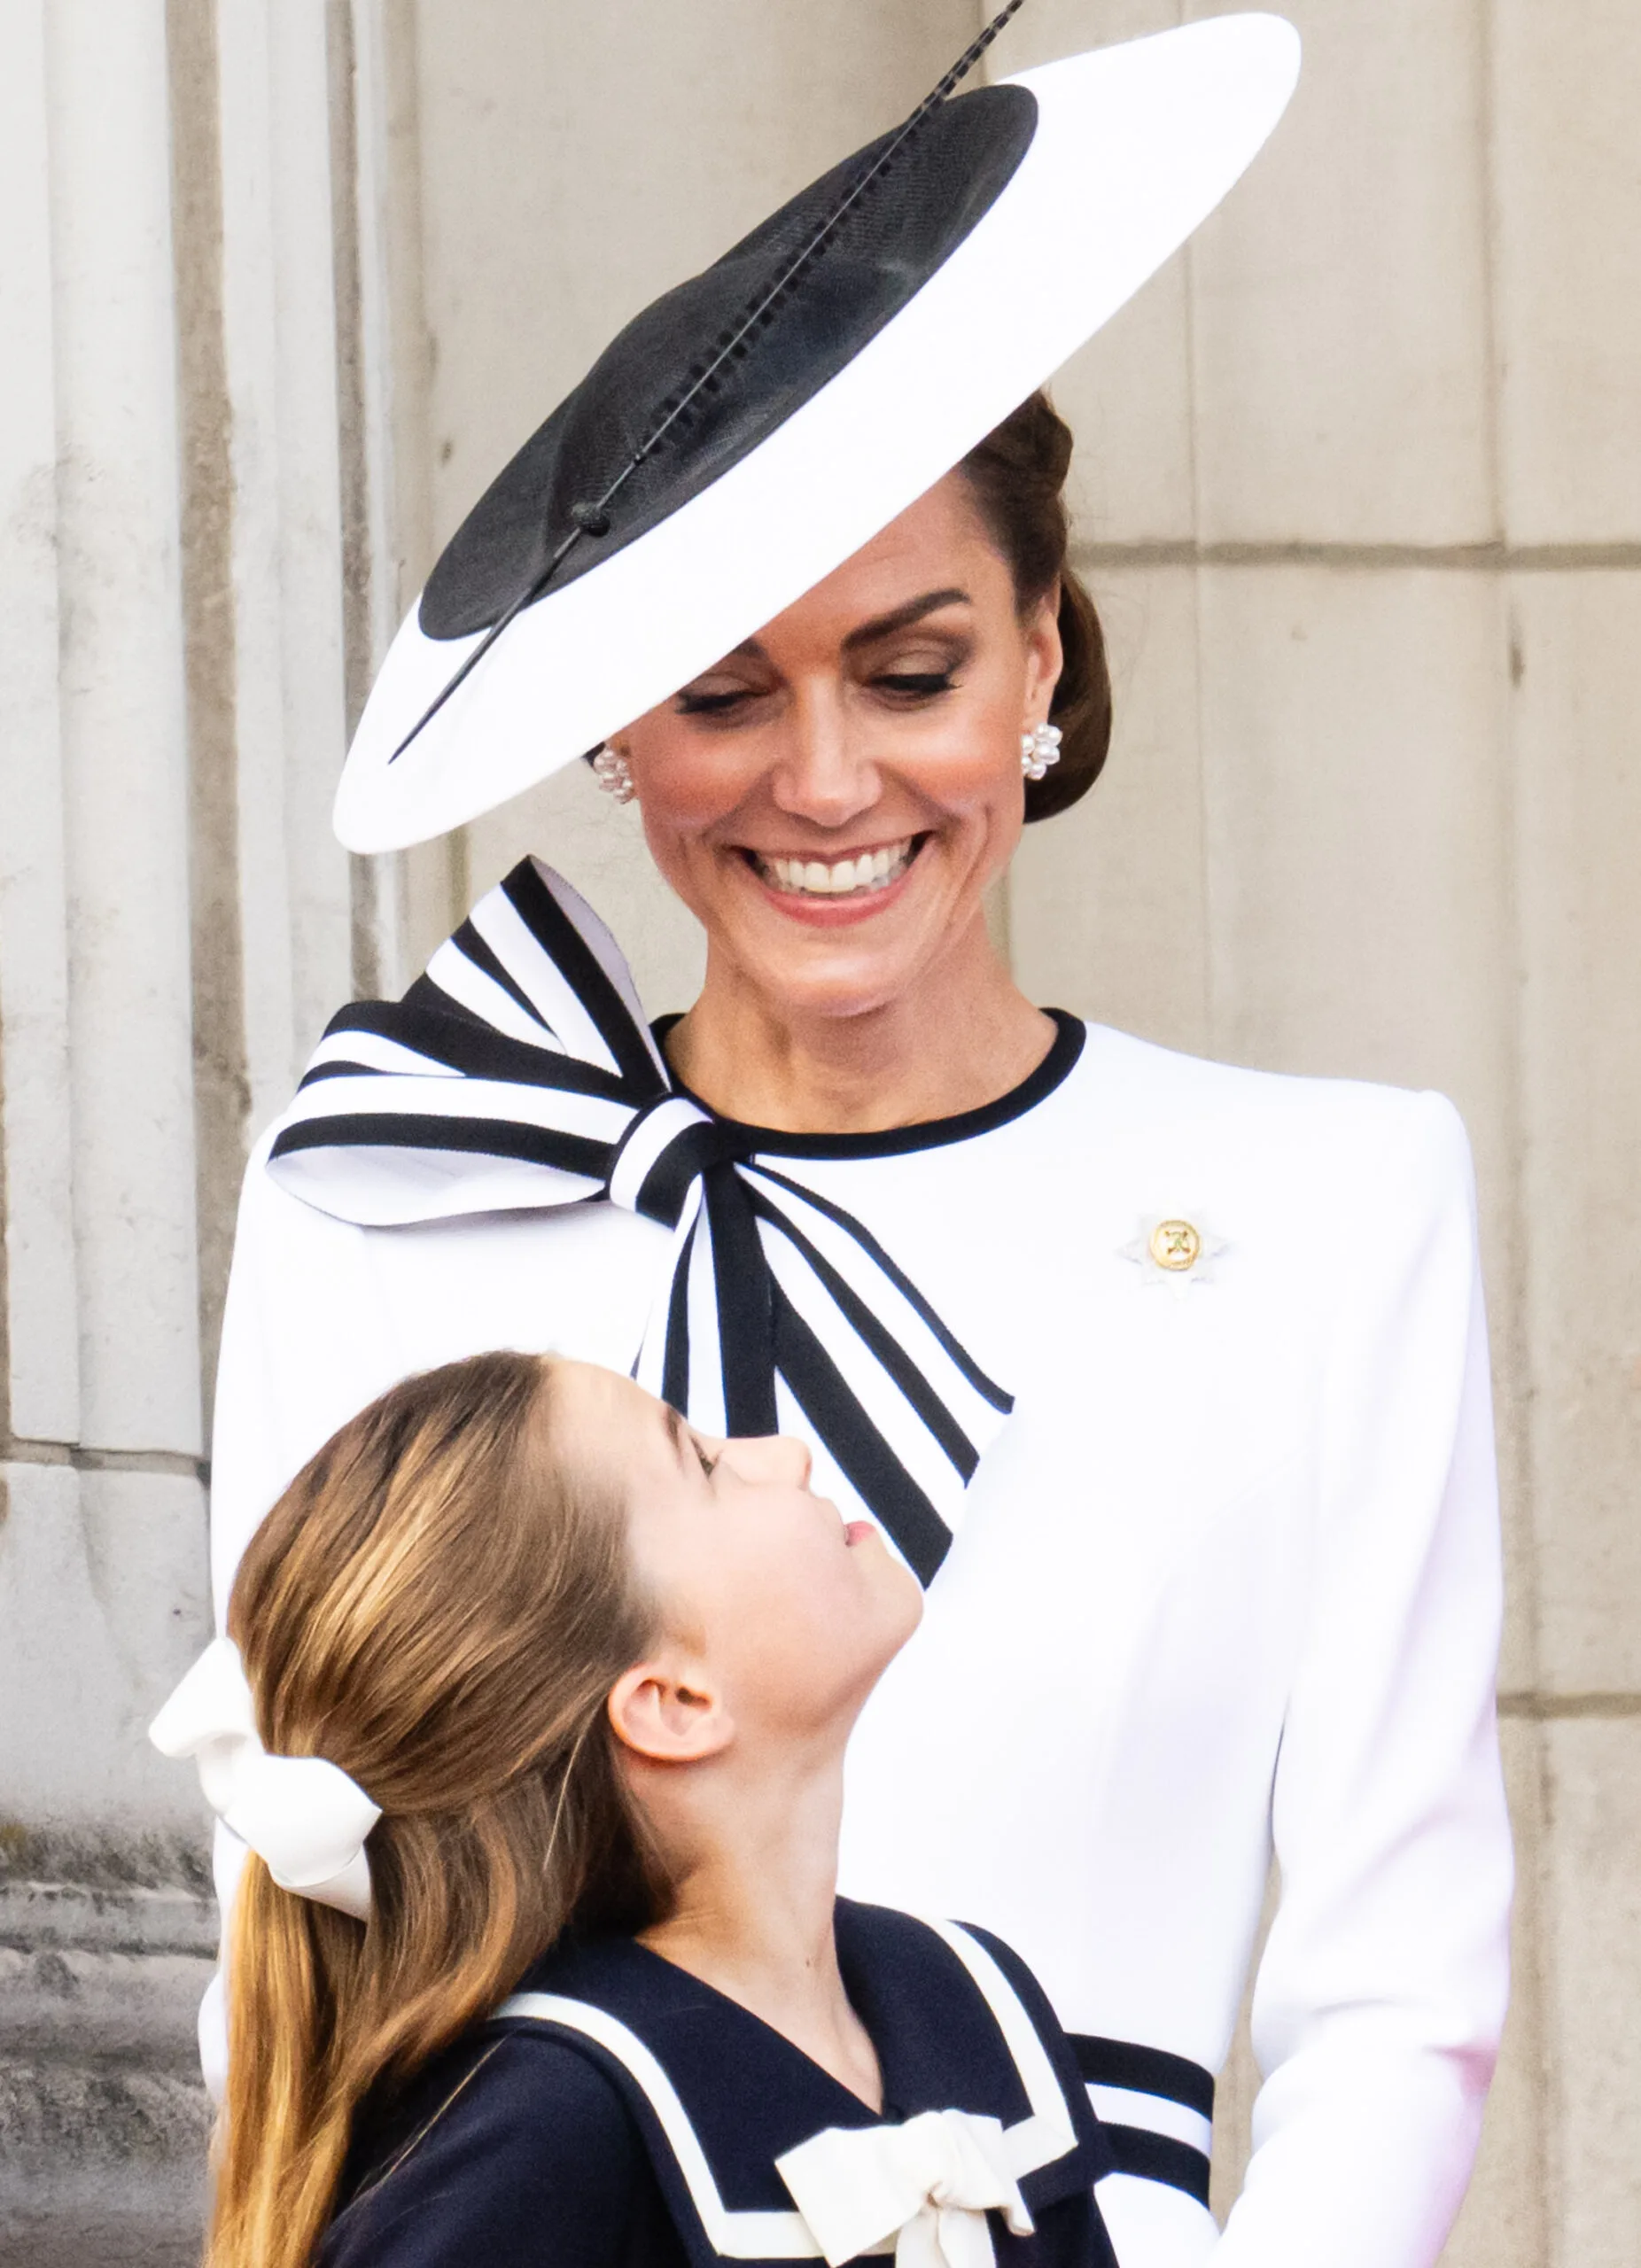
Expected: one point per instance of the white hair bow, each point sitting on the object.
(928, 2184)
(303, 1817)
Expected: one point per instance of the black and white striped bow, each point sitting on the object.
(518, 1072)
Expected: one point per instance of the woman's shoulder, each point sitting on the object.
(1288, 1121)
(509, 2136)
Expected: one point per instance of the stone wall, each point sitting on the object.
(1360, 495)
(196, 565)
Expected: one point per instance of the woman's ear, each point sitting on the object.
(1045, 653)
(662, 1713)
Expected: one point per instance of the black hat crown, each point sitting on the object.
(708, 372)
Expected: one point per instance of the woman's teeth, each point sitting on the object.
(873, 870)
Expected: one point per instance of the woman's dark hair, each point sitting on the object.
(1017, 477)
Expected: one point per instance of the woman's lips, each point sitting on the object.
(854, 871)
(833, 909)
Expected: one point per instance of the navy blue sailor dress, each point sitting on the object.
(616, 2112)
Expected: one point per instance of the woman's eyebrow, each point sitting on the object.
(882, 626)
(885, 626)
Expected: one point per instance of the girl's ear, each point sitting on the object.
(662, 1712)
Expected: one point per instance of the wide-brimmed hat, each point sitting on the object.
(752, 429)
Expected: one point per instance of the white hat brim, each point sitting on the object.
(1134, 146)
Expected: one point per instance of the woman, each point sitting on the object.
(597, 1673)
(1168, 1378)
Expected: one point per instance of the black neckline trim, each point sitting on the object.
(1070, 1033)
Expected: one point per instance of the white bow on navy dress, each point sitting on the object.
(518, 1072)
(926, 2186)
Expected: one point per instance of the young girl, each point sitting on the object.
(537, 1959)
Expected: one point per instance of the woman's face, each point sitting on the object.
(792, 1613)
(832, 799)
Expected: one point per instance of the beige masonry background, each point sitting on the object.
(1359, 491)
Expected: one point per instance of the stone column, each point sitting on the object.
(198, 522)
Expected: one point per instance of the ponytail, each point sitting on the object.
(472, 1710)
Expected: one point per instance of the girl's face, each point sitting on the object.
(790, 1616)
(832, 799)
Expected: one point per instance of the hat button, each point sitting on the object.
(1176, 1246)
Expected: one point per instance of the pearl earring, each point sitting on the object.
(1039, 749)
(614, 775)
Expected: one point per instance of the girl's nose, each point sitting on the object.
(771, 1456)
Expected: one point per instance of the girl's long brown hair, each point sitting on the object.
(440, 1606)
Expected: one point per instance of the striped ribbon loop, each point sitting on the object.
(518, 1072)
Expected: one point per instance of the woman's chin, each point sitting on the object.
(835, 960)
(833, 985)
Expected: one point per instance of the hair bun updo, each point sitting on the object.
(1017, 478)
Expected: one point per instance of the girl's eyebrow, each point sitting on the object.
(678, 1434)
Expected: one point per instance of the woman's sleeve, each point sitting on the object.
(306, 1342)
(532, 2162)
(1381, 1997)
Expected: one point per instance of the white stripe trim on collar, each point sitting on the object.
(1048, 2133)
(1036, 2140)
(737, 2236)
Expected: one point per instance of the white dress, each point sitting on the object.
(1225, 1586)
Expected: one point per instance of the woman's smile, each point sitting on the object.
(833, 799)
(839, 888)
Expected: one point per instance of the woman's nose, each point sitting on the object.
(822, 774)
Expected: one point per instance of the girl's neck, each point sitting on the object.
(955, 1041)
(752, 1914)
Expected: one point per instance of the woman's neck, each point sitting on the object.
(954, 1042)
(753, 1907)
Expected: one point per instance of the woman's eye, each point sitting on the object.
(695, 703)
(915, 685)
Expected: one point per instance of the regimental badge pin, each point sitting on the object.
(1175, 1248)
